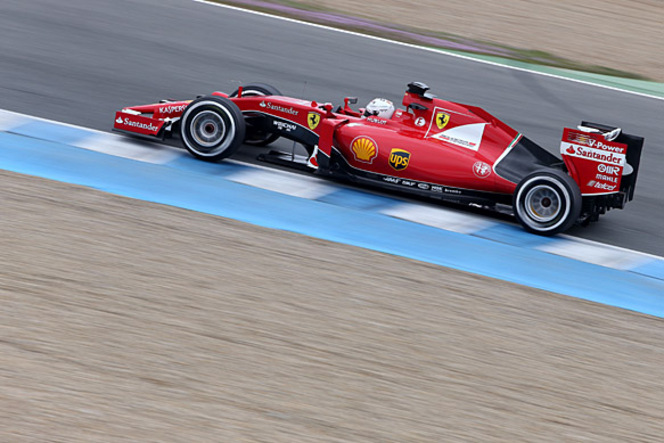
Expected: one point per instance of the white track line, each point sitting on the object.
(424, 48)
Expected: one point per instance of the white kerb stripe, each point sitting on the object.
(10, 120)
(284, 183)
(598, 254)
(438, 218)
(140, 150)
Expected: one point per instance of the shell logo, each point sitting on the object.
(364, 149)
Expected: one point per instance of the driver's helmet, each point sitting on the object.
(379, 107)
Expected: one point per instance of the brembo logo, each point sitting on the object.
(146, 126)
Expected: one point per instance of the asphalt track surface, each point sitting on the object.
(77, 61)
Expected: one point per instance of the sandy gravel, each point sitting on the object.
(128, 321)
(627, 35)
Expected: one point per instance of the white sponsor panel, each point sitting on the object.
(588, 153)
(465, 136)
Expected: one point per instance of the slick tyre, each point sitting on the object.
(212, 128)
(256, 136)
(547, 202)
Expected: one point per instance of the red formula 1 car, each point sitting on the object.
(431, 147)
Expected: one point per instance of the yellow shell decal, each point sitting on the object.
(364, 149)
(399, 159)
(442, 119)
(313, 119)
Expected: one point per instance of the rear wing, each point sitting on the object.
(603, 160)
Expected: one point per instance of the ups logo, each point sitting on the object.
(399, 159)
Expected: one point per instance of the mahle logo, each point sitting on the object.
(399, 159)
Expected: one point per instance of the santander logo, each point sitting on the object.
(600, 156)
(139, 125)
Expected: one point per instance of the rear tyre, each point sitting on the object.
(212, 128)
(547, 202)
(257, 136)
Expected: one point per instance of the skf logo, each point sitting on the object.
(442, 119)
(313, 119)
(364, 149)
(399, 159)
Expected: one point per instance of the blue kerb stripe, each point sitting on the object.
(212, 194)
(653, 269)
(52, 132)
(349, 198)
(513, 235)
(189, 163)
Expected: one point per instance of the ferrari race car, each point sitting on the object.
(431, 147)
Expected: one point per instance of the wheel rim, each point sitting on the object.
(543, 204)
(208, 129)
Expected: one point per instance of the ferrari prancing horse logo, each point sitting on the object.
(442, 119)
(313, 119)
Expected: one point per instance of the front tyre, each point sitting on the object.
(212, 128)
(547, 202)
